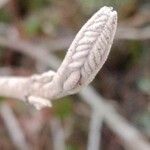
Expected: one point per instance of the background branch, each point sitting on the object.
(14, 129)
(94, 141)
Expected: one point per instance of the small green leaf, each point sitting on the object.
(5, 16)
(32, 26)
(1, 99)
(71, 147)
(63, 108)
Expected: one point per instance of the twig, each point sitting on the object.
(58, 135)
(122, 33)
(14, 129)
(129, 33)
(3, 2)
(27, 48)
(131, 137)
(94, 142)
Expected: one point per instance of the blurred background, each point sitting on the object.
(34, 37)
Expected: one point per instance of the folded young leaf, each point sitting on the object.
(88, 51)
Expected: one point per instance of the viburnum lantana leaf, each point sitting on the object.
(88, 51)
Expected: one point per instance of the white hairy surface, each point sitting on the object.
(88, 51)
(85, 57)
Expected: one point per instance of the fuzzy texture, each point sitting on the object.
(88, 51)
(86, 55)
